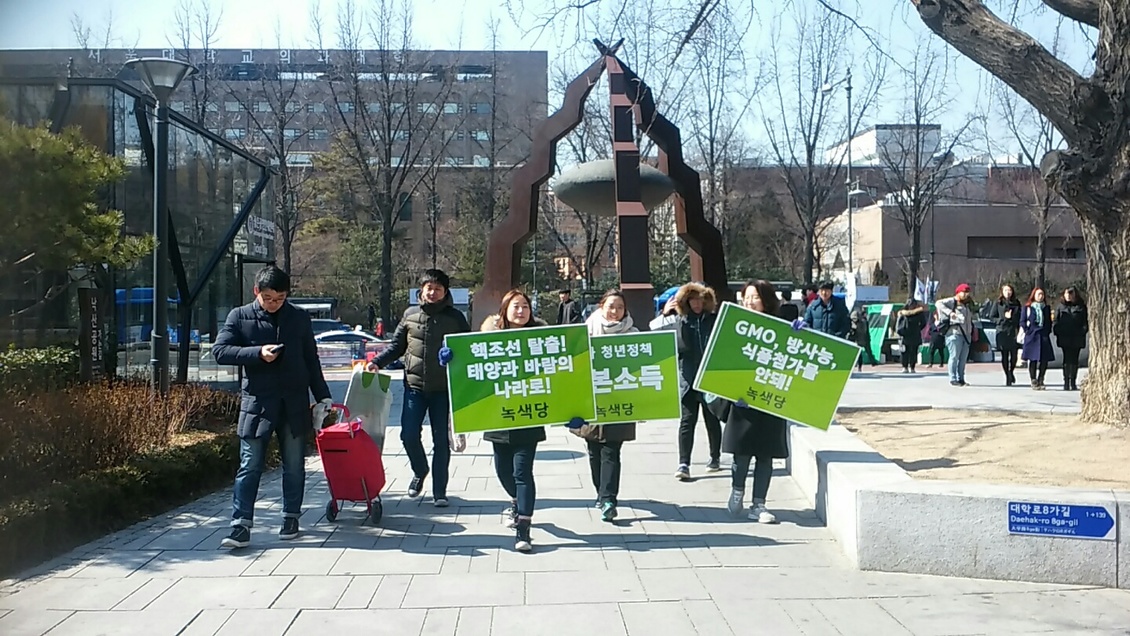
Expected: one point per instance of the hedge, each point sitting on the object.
(52, 520)
(37, 370)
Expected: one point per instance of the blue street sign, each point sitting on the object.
(1061, 520)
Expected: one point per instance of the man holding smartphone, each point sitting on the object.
(274, 343)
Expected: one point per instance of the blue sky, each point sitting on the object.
(462, 24)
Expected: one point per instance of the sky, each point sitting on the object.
(448, 24)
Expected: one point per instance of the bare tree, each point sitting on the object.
(388, 101)
(799, 119)
(196, 27)
(917, 159)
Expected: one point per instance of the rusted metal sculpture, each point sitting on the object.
(631, 103)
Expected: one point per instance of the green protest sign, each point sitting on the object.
(635, 376)
(516, 378)
(797, 375)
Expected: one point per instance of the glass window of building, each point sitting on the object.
(319, 134)
(480, 135)
(291, 133)
(263, 107)
(373, 108)
(293, 107)
(345, 107)
(396, 107)
(316, 108)
(232, 107)
(451, 108)
(480, 108)
(401, 135)
(232, 134)
(427, 108)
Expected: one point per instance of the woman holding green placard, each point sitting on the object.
(752, 435)
(604, 442)
(514, 450)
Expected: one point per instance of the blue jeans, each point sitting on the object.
(417, 404)
(762, 474)
(515, 467)
(252, 457)
(958, 349)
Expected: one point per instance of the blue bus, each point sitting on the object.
(133, 311)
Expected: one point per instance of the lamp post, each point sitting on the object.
(162, 77)
(849, 188)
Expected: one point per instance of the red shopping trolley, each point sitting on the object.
(353, 466)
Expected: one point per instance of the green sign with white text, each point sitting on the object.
(635, 376)
(757, 358)
(517, 378)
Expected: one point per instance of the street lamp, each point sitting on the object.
(162, 77)
(826, 89)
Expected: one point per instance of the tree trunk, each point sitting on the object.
(809, 260)
(1041, 247)
(915, 258)
(386, 260)
(1106, 393)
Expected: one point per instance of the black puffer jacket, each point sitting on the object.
(418, 338)
(1071, 326)
(278, 391)
(518, 436)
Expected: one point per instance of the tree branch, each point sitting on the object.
(1012, 55)
(1085, 11)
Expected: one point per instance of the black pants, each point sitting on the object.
(1037, 370)
(692, 403)
(762, 474)
(865, 353)
(604, 462)
(514, 465)
(1070, 364)
(939, 345)
(909, 356)
(1009, 358)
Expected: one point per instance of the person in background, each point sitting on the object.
(604, 442)
(753, 436)
(379, 328)
(788, 310)
(691, 315)
(567, 312)
(909, 325)
(937, 341)
(1036, 321)
(1006, 314)
(1070, 329)
(418, 338)
(955, 323)
(860, 334)
(808, 295)
(828, 314)
(274, 343)
(514, 450)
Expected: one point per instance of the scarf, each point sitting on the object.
(1038, 309)
(598, 326)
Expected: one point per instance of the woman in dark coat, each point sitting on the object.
(751, 435)
(1070, 328)
(514, 450)
(909, 326)
(1036, 320)
(1006, 314)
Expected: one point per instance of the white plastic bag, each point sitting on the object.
(369, 397)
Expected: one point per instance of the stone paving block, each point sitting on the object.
(389, 562)
(261, 622)
(647, 619)
(309, 561)
(149, 592)
(73, 594)
(545, 620)
(115, 565)
(553, 588)
(672, 585)
(207, 622)
(266, 561)
(195, 563)
(858, 617)
(375, 622)
(31, 622)
(768, 616)
(441, 622)
(390, 593)
(167, 622)
(465, 590)
(359, 592)
(312, 592)
(806, 615)
(181, 538)
(708, 619)
(561, 559)
(241, 592)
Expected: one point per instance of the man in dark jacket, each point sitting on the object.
(691, 315)
(418, 338)
(828, 314)
(567, 313)
(788, 310)
(274, 343)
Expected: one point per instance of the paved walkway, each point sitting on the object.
(674, 563)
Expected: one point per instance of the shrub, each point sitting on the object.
(51, 437)
(58, 517)
(26, 371)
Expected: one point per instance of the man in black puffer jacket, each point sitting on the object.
(418, 339)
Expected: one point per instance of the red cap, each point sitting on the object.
(963, 288)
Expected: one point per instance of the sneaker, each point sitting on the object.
(510, 517)
(289, 530)
(683, 473)
(607, 511)
(735, 503)
(714, 466)
(415, 487)
(522, 541)
(761, 515)
(240, 537)
(440, 502)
